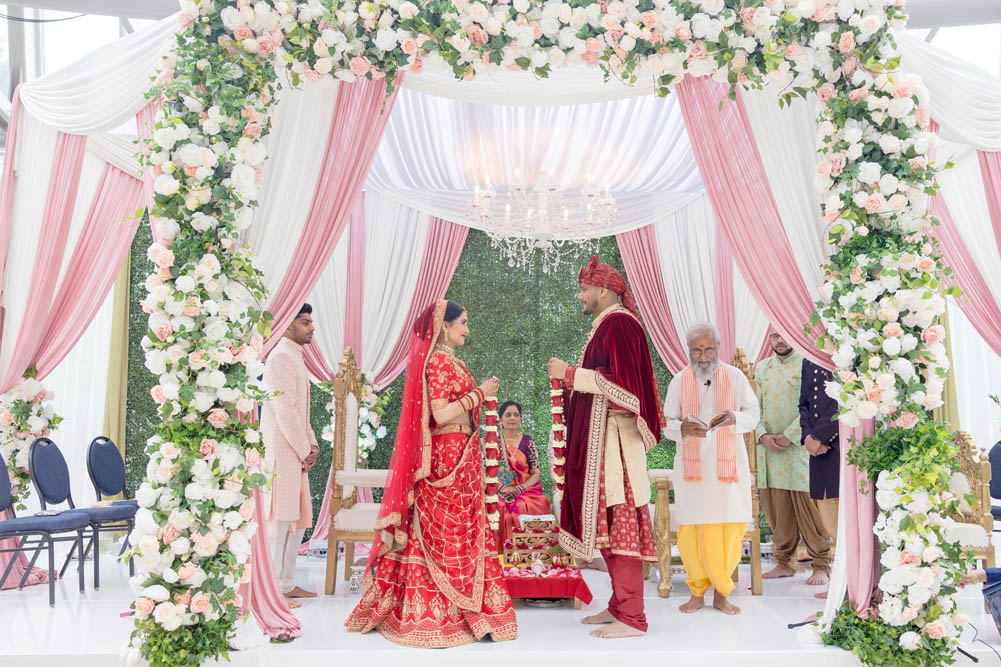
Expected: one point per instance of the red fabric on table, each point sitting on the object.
(569, 585)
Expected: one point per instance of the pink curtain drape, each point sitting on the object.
(357, 125)
(745, 209)
(642, 264)
(145, 120)
(990, 172)
(355, 297)
(8, 178)
(726, 318)
(261, 594)
(52, 236)
(977, 302)
(862, 548)
(105, 239)
(441, 255)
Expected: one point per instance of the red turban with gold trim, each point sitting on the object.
(607, 276)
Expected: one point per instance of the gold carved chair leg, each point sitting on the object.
(662, 532)
(331, 580)
(349, 559)
(756, 564)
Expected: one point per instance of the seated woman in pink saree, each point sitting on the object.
(522, 492)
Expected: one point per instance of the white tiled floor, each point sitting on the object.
(86, 629)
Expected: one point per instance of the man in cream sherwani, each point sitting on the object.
(290, 450)
(712, 478)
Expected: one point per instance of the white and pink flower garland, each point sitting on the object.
(492, 458)
(557, 437)
(25, 414)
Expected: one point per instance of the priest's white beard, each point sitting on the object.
(704, 370)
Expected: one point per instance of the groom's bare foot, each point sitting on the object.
(300, 593)
(292, 602)
(693, 605)
(820, 596)
(598, 619)
(818, 579)
(721, 603)
(597, 564)
(777, 572)
(615, 630)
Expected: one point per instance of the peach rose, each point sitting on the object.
(237, 600)
(253, 457)
(907, 558)
(824, 169)
(793, 50)
(649, 19)
(838, 161)
(875, 202)
(242, 33)
(164, 259)
(218, 417)
(934, 630)
(846, 42)
(825, 92)
(592, 45)
(923, 116)
(917, 163)
(250, 113)
(209, 447)
(185, 20)
(6, 419)
(197, 360)
(656, 37)
(747, 15)
(182, 598)
(536, 29)
(908, 420)
(201, 603)
(247, 509)
(875, 394)
(824, 13)
(893, 330)
(157, 393)
(856, 276)
(682, 31)
(252, 130)
(169, 533)
(266, 45)
(410, 47)
(933, 334)
(614, 35)
(858, 94)
(902, 91)
(245, 577)
(190, 170)
(477, 36)
(164, 331)
(144, 607)
(192, 306)
(359, 66)
(926, 264)
(849, 66)
(590, 58)
(187, 571)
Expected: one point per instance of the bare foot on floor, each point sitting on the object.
(292, 602)
(777, 572)
(615, 630)
(598, 619)
(721, 603)
(820, 596)
(300, 593)
(596, 564)
(818, 579)
(692, 605)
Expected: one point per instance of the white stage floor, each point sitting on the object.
(85, 630)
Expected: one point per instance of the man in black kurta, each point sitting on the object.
(818, 419)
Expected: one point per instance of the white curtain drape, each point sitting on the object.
(978, 375)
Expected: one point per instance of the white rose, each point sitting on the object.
(157, 593)
(910, 641)
(918, 594)
(232, 18)
(867, 409)
(891, 346)
(889, 144)
(225, 498)
(385, 39)
(168, 615)
(521, 6)
(888, 184)
(239, 545)
(409, 10)
(167, 228)
(166, 185)
(900, 107)
(712, 7)
(185, 283)
(164, 137)
(203, 222)
(869, 172)
(700, 26)
(146, 495)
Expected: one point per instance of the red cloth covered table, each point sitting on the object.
(565, 582)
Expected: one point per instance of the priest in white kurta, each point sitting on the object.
(712, 478)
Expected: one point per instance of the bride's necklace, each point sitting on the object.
(442, 347)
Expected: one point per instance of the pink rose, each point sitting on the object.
(253, 458)
(252, 130)
(164, 273)
(603, 6)
(824, 168)
(185, 20)
(649, 19)
(592, 45)
(247, 508)
(187, 571)
(614, 35)
(875, 202)
(536, 29)
(197, 360)
(359, 66)
(237, 600)
(164, 259)
(266, 45)
(847, 41)
(933, 334)
(164, 77)
(908, 420)
(169, 533)
(218, 417)
(846, 376)
(250, 113)
(192, 306)
(245, 577)
(656, 37)
(838, 161)
(144, 607)
(874, 394)
(590, 58)
(410, 47)
(682, 31)
(242, 33)
(909, 614)
(917, 163)
(182, 598)
(893, 330)
(902, 91)
(209, 447)
(793, 50)
(934, 630)
(926, 264)
(824, 13)
(856, 276)
(849, 66)
(825, 92)
(907, 558)
(6, 419)
(201, 603)
(747, 16)
(417, 66)
(923, 116)
(477, 36)
(164, 331)
(858, 94)
(698, 50)
(157, 393)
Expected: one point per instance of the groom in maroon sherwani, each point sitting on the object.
(613, 418)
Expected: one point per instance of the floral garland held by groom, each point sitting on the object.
(613, 419)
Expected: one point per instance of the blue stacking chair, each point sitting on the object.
(44, 528)
(107, 473)
(994, 456)
(51, 477)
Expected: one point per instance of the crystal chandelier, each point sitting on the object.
(540, 218)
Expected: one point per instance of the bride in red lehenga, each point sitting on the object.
(433, 578)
